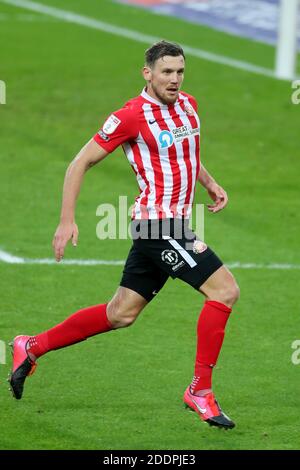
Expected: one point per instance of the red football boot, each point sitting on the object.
(208, 409)
(22, 365)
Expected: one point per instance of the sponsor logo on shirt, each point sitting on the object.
(167, 138)
(111, 124)
(182, 132)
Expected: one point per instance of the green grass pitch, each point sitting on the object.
(123, 390)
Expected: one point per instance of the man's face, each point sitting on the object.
(165, 78)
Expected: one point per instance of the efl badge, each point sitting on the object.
(111, 124)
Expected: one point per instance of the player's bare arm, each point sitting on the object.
(67, 229)
(216, 192)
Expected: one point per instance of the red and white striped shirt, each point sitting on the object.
(162, 144)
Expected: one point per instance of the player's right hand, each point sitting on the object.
(64, 232)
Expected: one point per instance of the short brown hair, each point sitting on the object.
(160, 49)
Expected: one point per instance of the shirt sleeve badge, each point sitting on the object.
(111, 124)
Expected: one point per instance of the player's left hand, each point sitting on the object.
(219, 196)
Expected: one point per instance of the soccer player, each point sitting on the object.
(159, 131)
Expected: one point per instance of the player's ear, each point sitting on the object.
(147, 73)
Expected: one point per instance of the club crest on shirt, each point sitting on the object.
(111, 124)
(189, 110)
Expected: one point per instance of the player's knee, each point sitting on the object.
(230, 293)
(126, 321)
(121, 317)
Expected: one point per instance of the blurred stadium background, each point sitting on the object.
(124, 390)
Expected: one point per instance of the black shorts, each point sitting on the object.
(162, 249)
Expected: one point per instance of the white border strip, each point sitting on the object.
(72, 17)
(11, 259)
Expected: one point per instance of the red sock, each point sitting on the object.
(87, 322)
(210, 335)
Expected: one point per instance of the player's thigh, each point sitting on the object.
(142, 275)
(221, 286)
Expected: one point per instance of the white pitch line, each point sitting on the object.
(8, 258)
(72, 17)
(11, 259)
(238, 265)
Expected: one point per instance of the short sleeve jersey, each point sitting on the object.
(162, 144)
